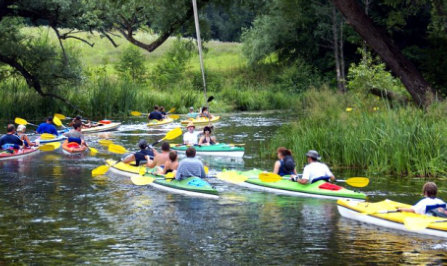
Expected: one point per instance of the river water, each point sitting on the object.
(52, 211)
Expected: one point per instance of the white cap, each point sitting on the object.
(21, 128)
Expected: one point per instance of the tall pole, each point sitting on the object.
(199, 44)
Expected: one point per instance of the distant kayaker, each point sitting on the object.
(191, 113)
(171, 165)
(162, 111)
(205, 113)
(75, 135)
(315, 170)
(285, 164)
(190, 166)
(207, 139)
(430, 204)
(10, 140)
(156, 114)
(144, 154)
(47, 127)
(191, 137)
(78, 119)
(160, 158)
(21, 129)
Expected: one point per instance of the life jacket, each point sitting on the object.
(76, 140)
(287, 165)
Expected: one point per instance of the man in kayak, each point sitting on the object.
(190, 137)
(10, 140)
(430, 204)
(171, 165)
(155, 115)
(191, 113)
(162, 111)
(285, 164)
(315, 170)
(190, 166)
(160, 159)
(144, 154)
(75, 135)
(47, 127)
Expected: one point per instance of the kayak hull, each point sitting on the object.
(155, 123)
(73, 148)
(123, 168)
(18, 154)
(200, 121)
(394, 221)
(101, 128)
(221, 149)
(182, 187)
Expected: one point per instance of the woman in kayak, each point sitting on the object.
(145, 154)
(207, 139)
(23, 137)
(430, 204)
(205, 113)
(285, 164)
(171, 165)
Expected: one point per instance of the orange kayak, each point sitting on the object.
(73, 147)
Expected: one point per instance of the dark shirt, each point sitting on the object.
(141, 156)
(155, 115)
(10, 139)
(47, 128)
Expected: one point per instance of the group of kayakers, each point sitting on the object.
(159, 113)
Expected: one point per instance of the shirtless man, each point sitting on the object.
(161, 158)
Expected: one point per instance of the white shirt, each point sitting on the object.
(315, 170)
(421, 206)
(191, 138)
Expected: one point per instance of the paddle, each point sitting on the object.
(115, 148)
(60, 116)
(231, 176)
(417, 223)
(57, 121)
(100, 170)
(172, 134)
(47, 136)
(50, 146)
(269, 177)
(171, 110)
(141, 180)
(93, 151)
(105, 142)
(353, 181)
(21, 121)
(174, 117)
(136, 113)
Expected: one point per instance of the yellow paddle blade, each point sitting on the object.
(105, 142)
(269, 177)
(141, 180)
(171, 110)
(93, 151)
(142, 170)
(60, 116)
(206, 169)
(176, 132)
(20, 121)
(231, 176)
(100, 170)
(237, 144)
(50, 146)
(175, 117)
(357, 181)
(416, 223)
(170, 175)
(136, 113)
(47, 136)
(117, 149)
(57, 121)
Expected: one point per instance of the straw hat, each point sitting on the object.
(190, 124)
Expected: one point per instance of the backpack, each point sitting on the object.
(289, 163)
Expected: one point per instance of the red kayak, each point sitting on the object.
(73, 147)
(4, 155)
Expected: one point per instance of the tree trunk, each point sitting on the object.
(342, 56)
(381, 43)
(336, 50)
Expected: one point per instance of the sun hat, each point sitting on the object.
(190, 124)
(313, 154)
(20, 128)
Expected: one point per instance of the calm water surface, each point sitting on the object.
(53, 211)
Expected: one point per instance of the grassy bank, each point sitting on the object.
(402, 141)
(171, 77)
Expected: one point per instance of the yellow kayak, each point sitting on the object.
(383, 213)
(201, 120)
(125, 169)
(154, 123)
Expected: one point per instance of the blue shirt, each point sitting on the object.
(47, 128)
(10, 139)
(155, 115)
(189, 167)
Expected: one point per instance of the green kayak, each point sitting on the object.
(220, 149)
(319, 189)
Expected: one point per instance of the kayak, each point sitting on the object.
(376, 213)
(17, 153)
(101, 128)
(154, 122)
(201, 120)
(124, 169)
(220, 149)
(319, 189)
(73, 147)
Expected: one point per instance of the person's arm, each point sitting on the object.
(178, 175)
(214, 139)
(167, 166)
(276, 167)
(28, 141)
(185, 141)
(152, 163)
(405, 210)
(330, 174)
(201, 140)
(306, 176)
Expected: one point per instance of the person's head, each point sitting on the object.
(156, 108)
(21, 128)
(283, 152)
(204, 109)
(191, 152)
(11, 128)
(77, 126)
(190, 127)
(191, 109)
(49, 120)
(165, 146)
(207, 130)
(312, 156)
(430, 190)
(142, 144)
(78, 117)
(173, 156)
(162, 108)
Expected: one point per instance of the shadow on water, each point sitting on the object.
(53, 211)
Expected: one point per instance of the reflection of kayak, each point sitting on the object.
(375, 213)
(154, 122)
(201, 120)
(319, 189)
(73, 147)
(17, 153)
(124, 168)
(220, 149)
(101, 128)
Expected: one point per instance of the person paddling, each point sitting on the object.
(75, 135)
(190, 137)
(160, 159)
(171, 165)
(190, 166)
(191, 113)
(207, 139)
(285, 164)
(162, 111)
(315, 170)
(430, 204)
(144, 154)
(21, 129)
(155, 115)
(47, 127)
(10, 140)
(205, 113)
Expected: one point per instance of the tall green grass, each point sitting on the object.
(403, 141)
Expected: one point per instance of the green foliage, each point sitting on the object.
(131, 64)
(299, 77)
